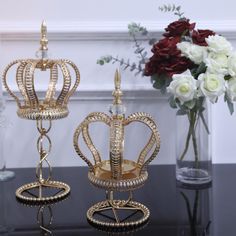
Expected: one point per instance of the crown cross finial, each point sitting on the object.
(117, 93)
(44, 40)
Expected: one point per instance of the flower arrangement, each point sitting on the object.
(191, 64)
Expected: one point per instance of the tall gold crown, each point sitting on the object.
(117, 173)
(34, 106)
(52, 106)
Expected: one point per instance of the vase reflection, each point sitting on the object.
(194, 211)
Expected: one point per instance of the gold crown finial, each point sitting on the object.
(117, 93)
(117, 80)
(44, 40)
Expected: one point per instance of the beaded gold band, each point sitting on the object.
(63, 191)
(114, 206)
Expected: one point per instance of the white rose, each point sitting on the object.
(183, 46)
(219, 44)
(232, 64)
(217, 63)
(231, 89)
(194, 52)
(211, 85)
(183, 86)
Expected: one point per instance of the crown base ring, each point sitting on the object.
(45, 114)
(24, 194)
(131, 178)
(121, 205)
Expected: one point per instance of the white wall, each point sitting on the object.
(83, 31)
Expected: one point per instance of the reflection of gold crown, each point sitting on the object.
(117, 173)
(50, 107)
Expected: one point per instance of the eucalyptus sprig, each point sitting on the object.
(138, 68)
(135, 30)
(172, 8)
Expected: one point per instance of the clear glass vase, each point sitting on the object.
(193, 147)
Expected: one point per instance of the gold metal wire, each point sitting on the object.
(62, 189)
(43, 153)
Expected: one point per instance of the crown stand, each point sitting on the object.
(117, 174)
(50, 108)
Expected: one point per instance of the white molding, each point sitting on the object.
(112, 30)
(98, 95)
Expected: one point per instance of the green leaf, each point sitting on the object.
(158, 84)
(133, 67)
(178, 8)
(100, 62)
(157, 81)
(107, 59)
(181, 112)
(201, 68)
(138, 50)
(152, 41)
(172, 102)
(135, 28)
(227, 77)
(104, 59)
(204, 122)
(137, 73)
(199, 104)
(190, 104)
(144, 54)
(230, 104)
(163, 90)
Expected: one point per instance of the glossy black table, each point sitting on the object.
(175, 210)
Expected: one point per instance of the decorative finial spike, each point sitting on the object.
(117, 79)
(44, 40)
(117, 93)
(43, 28)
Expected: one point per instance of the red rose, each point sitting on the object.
(150, 68)
(175, 66)
(199, 36)
(179, 28)
(167, 59)
(166, 47)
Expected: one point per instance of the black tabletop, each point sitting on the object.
(175, 209)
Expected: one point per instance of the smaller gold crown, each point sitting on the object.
(117, 173)
(52, 106)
